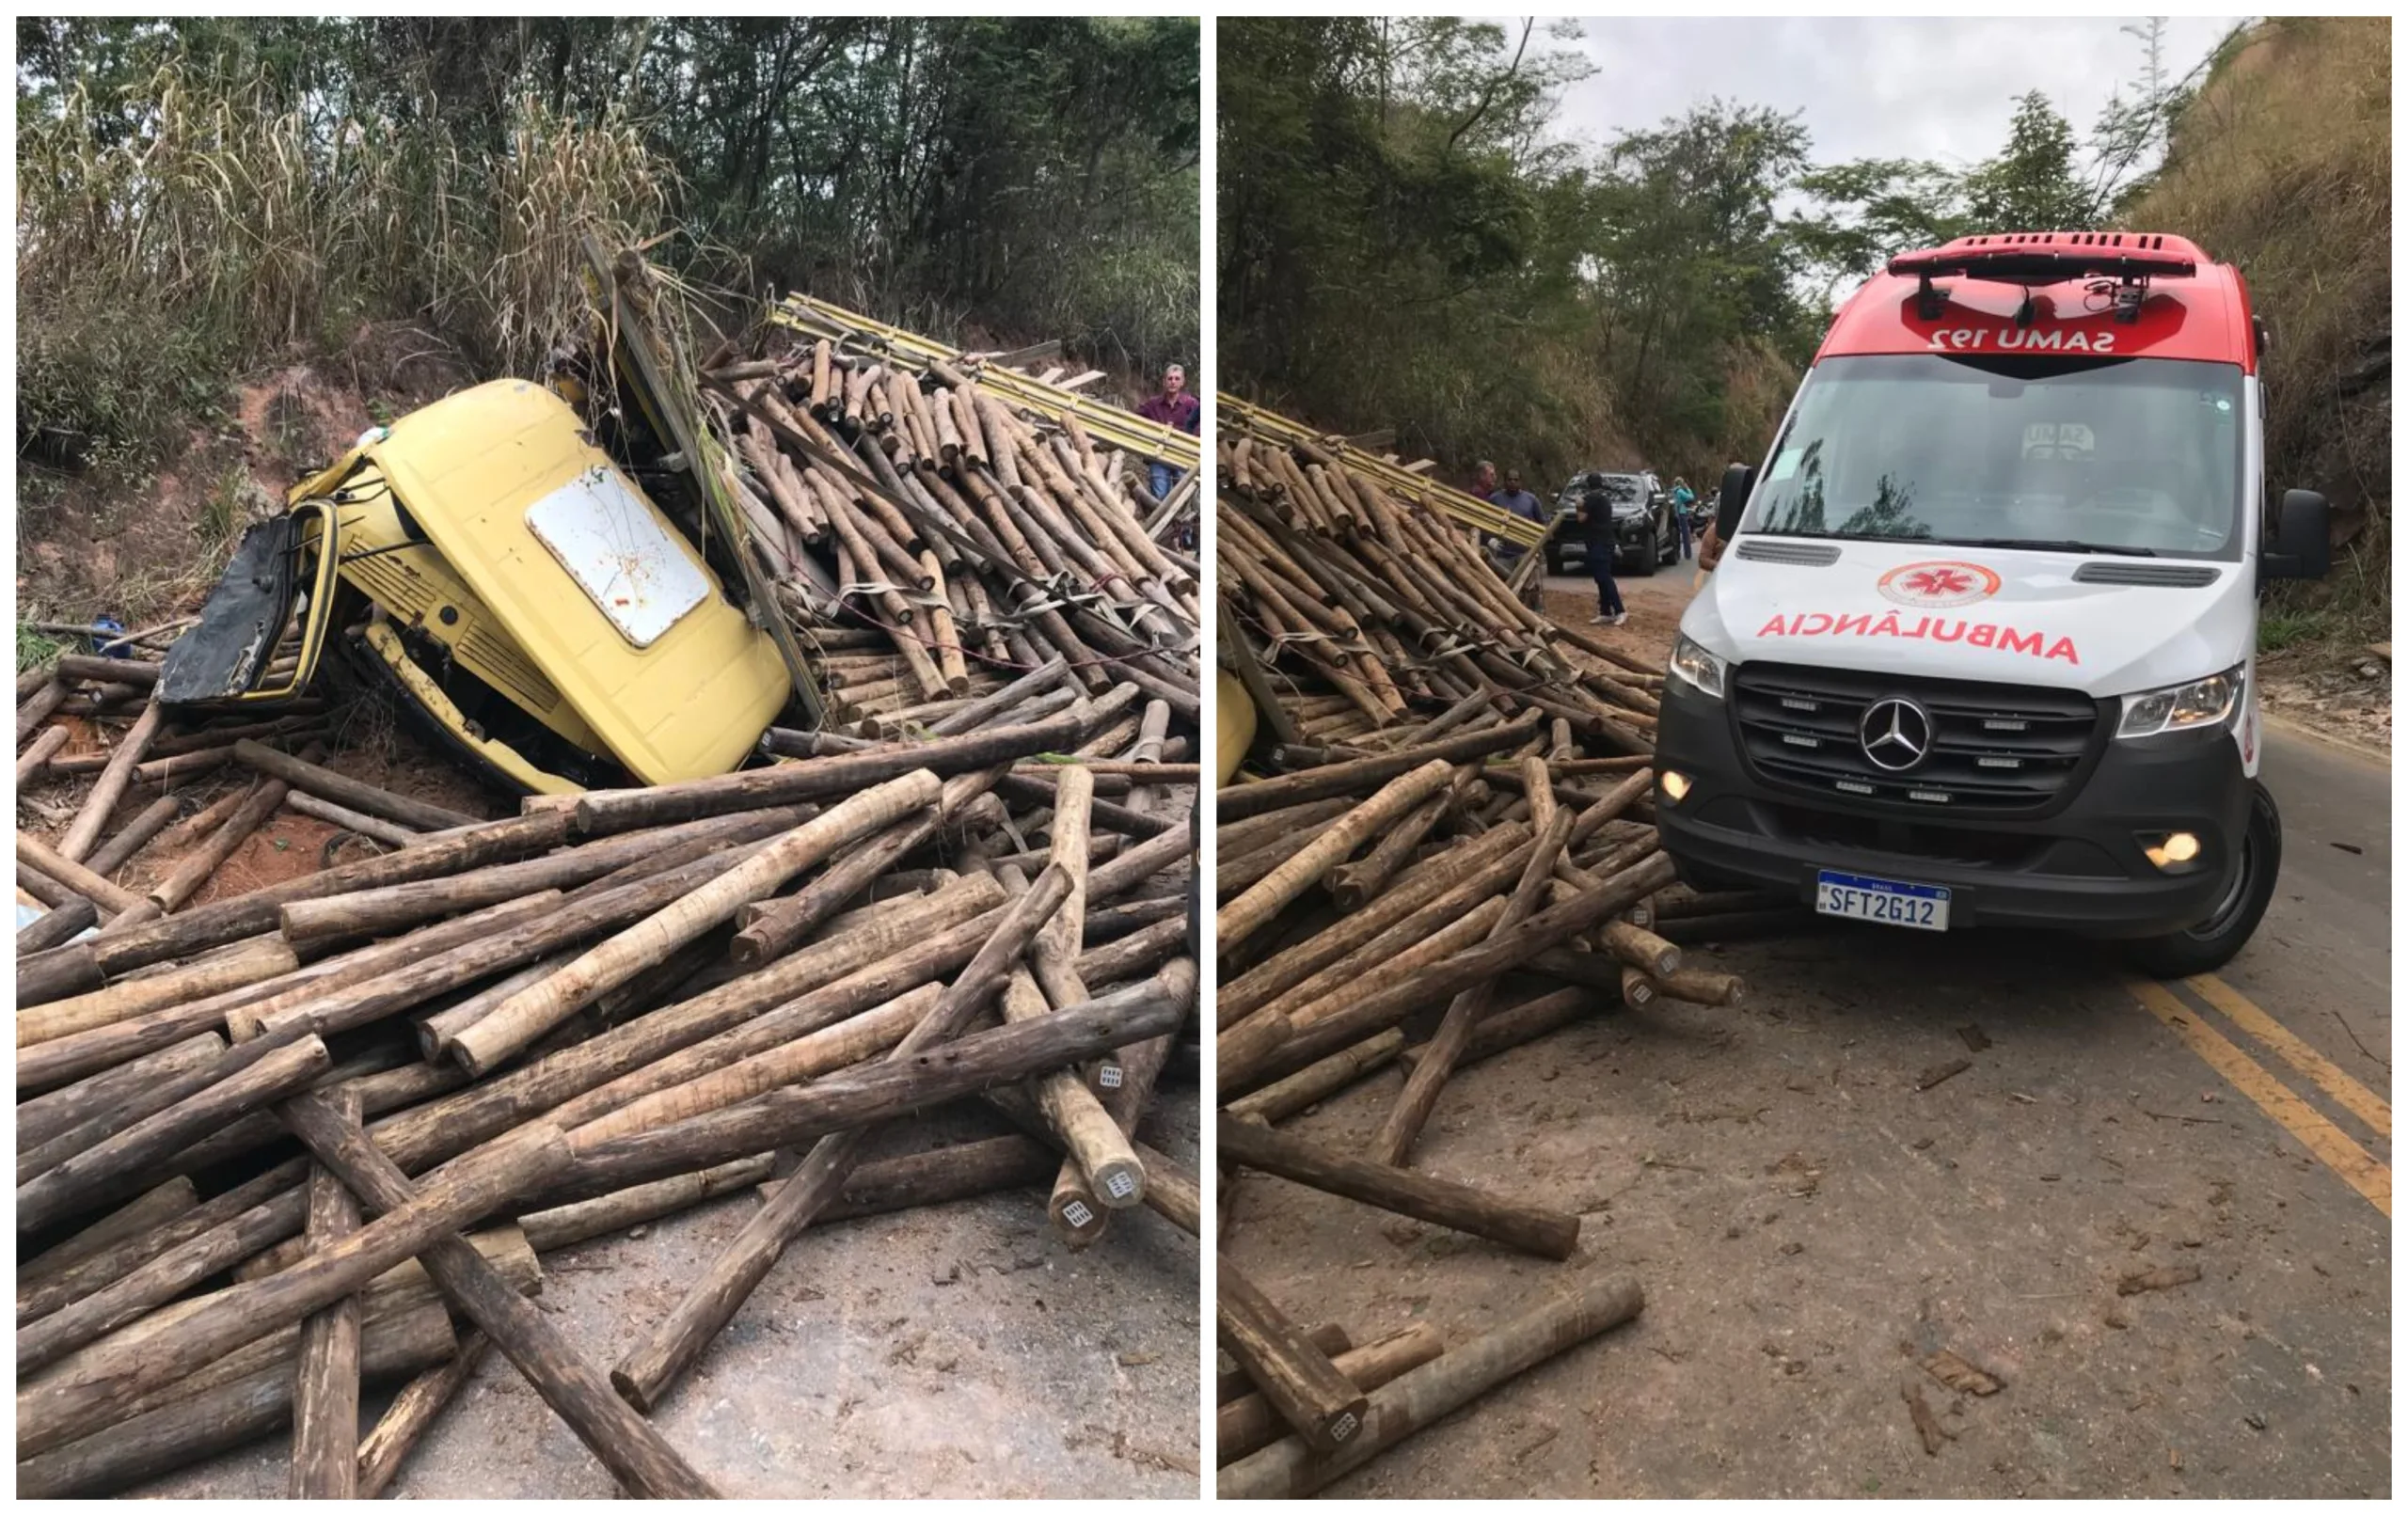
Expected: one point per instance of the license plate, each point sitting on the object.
(1888, 901)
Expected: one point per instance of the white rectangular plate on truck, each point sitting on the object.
(1887, 902)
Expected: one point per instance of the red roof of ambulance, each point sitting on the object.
(2200, 314)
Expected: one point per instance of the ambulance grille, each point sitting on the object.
(1798, 555)
(2150, 576)
(1994, 749)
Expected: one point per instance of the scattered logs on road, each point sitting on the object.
(1441, 846)
(377, 1092)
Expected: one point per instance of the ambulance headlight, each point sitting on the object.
(2182, 708)
(1700, 669)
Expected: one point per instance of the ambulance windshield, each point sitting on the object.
(2106, 455)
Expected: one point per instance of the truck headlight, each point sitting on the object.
(2207, 702)
(1702, 670)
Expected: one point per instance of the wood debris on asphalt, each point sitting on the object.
(1450, 819)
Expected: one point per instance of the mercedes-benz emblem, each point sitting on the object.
(1896, 734)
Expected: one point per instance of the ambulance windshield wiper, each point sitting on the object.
(2043, 546)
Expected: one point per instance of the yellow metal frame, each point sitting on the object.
(386, 644)
(316, 619)
(1462, 506)
(914, 354)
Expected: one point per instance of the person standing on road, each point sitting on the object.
(1597, 529)
(1683, 503)
(1179, 411)
(1504, 556)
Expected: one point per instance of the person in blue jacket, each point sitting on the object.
(1683, 503)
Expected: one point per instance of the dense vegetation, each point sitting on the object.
(200, 195)
(1406, 240)
(2282, 162)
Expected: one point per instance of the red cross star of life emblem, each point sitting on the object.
(1938, 586)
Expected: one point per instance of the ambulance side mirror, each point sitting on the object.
(1738, 481)
(2300, 546)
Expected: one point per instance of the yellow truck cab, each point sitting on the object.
(522, 595)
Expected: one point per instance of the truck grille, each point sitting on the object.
(1994, 747)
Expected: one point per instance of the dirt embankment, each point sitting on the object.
(145, 545)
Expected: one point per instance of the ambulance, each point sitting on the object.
(1980, 648)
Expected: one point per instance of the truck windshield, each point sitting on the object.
(2111, 456)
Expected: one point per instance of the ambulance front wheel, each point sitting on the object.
(2212, 944)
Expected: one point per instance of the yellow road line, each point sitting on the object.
(2348, 1093)
(2357, 1168)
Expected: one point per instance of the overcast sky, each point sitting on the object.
(1869, 87)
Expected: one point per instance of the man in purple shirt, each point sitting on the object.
(1175, 408)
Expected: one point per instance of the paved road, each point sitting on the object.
(1808, 1223)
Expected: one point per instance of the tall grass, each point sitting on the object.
(2282, 165)
(170, 238)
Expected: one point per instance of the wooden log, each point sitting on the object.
(326, 1371)
(301, 802)
(1639, 948)
(256, 911)
(1548, 1234)
(1518, 1024)
(75, 1181)
(862, 1096)
(31, 762)
(44, 1293)
(1405, 1119)
(629, 1446)
(1393, 1003)
(37, 708)
(84, 833)
(406, 1286)
(564, 1226)
(393, 907)
(151, 1208)
(412, 1414)
(184, 881)
(1292, 1468)
(49, 1416)
(1249, 1423)
(1296, 1379)
(1700, 987)
(1308, 1086)
(710, 1304)
(600, 811)
(1352, 886)
(33, 853)
(1241, 801)
(130, 839)
(1235, 1384)
(1241, 918)
(1449, 876)
(526, 1016)
(87, 1052)
(580, 1080)
(188, 1428)
(1247, 1050)
(257, 959)
(57, 925)
(1236, 839)
(99, 670)
(346, 791)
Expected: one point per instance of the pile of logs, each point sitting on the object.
(1447, 816)
(941, 526)
(374, 1097)
(1371, 606)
